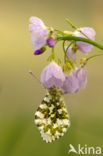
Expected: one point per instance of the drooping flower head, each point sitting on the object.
(75, 81)
(82, 46)
(52, 75)
(39, 32)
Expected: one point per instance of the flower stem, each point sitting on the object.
(69, 46)
(64, 52)
(71, 24)
(88, 58)
(69, 38)
(76, 28)
(84, 61)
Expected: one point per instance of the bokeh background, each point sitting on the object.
(20, 94)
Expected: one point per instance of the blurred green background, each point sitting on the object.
(20, 94)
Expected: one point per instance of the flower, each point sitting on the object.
(82, 46)
(52, 75)
(70, 84)
(39, 32)
(51, 42)
(38, 52)
(76, 81)
(71, 54)
(81, 75)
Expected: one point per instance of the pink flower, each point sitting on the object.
(52, 75)
(82, 46)
(70, 54)
(76, 81)
(39, 32)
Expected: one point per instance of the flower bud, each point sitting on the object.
(51, 42)
(38, 52)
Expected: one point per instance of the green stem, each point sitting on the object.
(64, 51)
(67, 60)
(88, 58)
(53, 56)
(71, 24)
(76, 28)
(84, 61)
(69, 38)
(69, 46)
(58, 31)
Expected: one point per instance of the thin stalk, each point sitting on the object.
(71, 24)
(84, 61)
(67, 60)
(52, 56)
(64, 52)
(34, 76)
(88, 58)
(76, 28)
(69, 46)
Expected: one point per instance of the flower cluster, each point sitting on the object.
(53, 75)
(59, 77)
